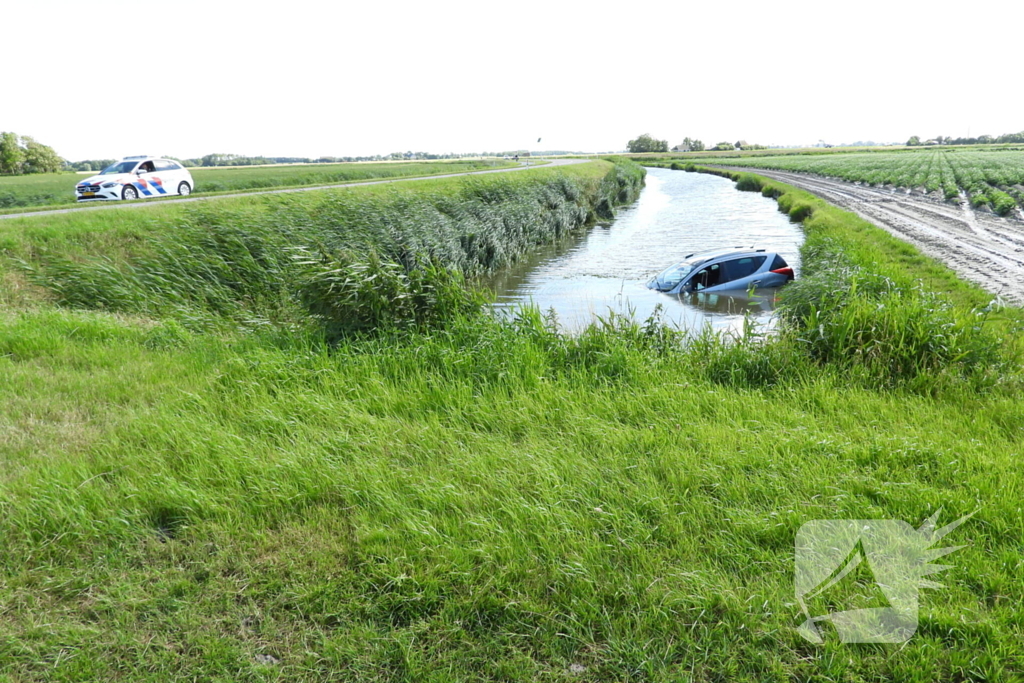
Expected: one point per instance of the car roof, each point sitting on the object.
(700, 257)
(725, 251)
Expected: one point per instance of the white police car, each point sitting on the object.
(135, 177)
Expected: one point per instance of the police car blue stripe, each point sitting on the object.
(143, 190)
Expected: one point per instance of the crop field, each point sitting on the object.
(276, 438)
(57, 189)
(993, 179)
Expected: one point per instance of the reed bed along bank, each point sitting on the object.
(259, 259)
(477, 499)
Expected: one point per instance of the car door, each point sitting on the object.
(179, 173)
(739, 272)
(143, 180)
(162, 178)
(705, 278)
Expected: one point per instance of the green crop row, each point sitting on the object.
(987, 178)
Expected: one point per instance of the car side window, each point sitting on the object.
(146, 167)
(706, 277)
(741, 267)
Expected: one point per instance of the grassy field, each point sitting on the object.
(56, 189)
(196, 484)
(991, 178)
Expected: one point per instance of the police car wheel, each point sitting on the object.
(183, 189)
(130, 193)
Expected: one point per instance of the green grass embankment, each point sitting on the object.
(54, 190)
(874, 305)
(246, 258)
(479, 500)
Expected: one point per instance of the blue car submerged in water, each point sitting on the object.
(719, 270)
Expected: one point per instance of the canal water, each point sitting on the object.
(678, 213)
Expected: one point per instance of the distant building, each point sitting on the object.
(684, 147)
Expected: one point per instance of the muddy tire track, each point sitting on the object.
(980, 247)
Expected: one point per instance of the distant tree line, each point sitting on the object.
(646, 143)
(740, 145)
(1009, 138)
(89, 164)
(240, 160)
(21, 154)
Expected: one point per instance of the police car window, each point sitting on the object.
(121, 167)
(164, 165)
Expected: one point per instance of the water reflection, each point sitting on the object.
(607, 268)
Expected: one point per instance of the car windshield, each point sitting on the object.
(119, 167)
(671, 277)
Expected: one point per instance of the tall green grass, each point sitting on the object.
(250, 262)
(874, 306)
(486, 501)
(461, 497)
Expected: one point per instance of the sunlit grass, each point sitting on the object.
(479, 500)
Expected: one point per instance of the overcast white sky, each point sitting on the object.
(186, 78)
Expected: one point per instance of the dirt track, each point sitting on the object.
(982, 247)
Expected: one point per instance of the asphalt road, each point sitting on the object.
(101, 206)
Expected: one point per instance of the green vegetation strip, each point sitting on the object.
(991, 179)
(49, 190)
(477, 500)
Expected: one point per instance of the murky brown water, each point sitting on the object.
(607, 268)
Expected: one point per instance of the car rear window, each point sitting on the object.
(779, 262)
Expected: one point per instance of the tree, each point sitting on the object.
(914, 141)
(645, 143)
(693, 145)
(723, 147)
(11, 154)
(40, 158)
